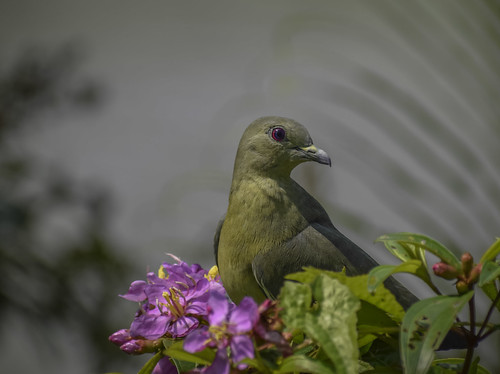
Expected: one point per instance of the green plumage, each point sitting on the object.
(273, 227)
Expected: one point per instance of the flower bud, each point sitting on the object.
(462, 287)
(445, 271)
(139, 346)
(120, 337)
(132, 347)
(475, 273)
(467, 263)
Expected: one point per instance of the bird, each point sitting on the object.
(273, 226)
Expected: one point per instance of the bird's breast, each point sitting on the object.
(261, 215)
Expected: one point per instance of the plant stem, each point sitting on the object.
(472, 314)
(471, 338)
(468, 360)
(491, 331)
(490, 311)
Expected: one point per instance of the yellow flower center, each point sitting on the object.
(218, 332)
(212, 273)
(161, 273)
(173, 301)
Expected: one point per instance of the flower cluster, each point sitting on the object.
(467, 274)
(186, 302)
(171, 302)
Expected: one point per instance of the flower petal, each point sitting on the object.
(196, 340)
(218, 307)
(244, 316)
(149, 326)
(241, 348)
(136, 291)
(165, 366)
(220, 365)
(182, 326)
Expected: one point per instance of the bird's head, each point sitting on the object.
(274, 146)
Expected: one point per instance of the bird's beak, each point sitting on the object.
(316, 154)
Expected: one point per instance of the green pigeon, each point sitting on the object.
(273, 227)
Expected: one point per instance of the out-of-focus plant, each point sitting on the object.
(323, 322)
(54, 276)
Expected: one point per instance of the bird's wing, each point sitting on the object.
(309, 248)
(323, 247)
(364, 263)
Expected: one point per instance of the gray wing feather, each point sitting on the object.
(308, 248)
(321, 247)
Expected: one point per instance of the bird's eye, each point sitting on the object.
(278, 134)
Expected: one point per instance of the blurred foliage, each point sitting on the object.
(60, 268)
(41, 81)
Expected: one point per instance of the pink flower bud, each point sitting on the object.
(139, 346)
(132, 347)
(475, 272)
(120, 337)
(445, 271)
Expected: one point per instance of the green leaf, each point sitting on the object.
(404, 251)
(385, 370)
(367, 331)
(183, 366)
(492, 252)
(150, 365)
(381, 298)
(295, 299)
(489, 272)
(333, 324)
(176, 351)
(303, 364)
(364, 367)
(372, 318)
(365, 342)
(309, 274)
(421, 242)
(456, 364)
(330, 322)
(424, 327)
(490, 289)
(262, 363)
(380, 273)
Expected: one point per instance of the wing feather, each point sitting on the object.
(323, 248)
(308, 248)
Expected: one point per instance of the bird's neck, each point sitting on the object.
(259, 189)
(265, 208)
(251, 164)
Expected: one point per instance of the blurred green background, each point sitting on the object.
(119, 123)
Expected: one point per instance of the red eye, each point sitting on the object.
(278, 134)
